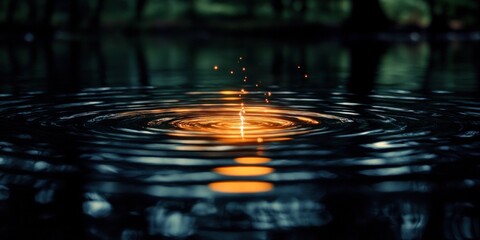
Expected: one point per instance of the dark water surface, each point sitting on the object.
(144, 139)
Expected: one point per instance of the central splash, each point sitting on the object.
(230, 123)
(219, 121)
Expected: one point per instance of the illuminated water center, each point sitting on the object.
(236, 122)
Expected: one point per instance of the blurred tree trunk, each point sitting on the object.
(47, 18)
(11, 7)
(97, 15)
(191, 10)
(365, 59)
(32, 12)
(439, 21)
(250, 8)
(74, 20)
(367, 16)
(278, 8)
(139, 10)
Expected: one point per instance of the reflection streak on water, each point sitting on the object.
(252, 160)
(241, 186)
(243, 171)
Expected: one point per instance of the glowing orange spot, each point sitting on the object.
(266, 100)
(244, 69)
(228, 92)
(306, 75)
(243, 171)
(298, 67)
(269, 94)
(240, 186)
(231, 72)
(259, 140)
(256, 85)
(252, 160)
(244, 80)
(215, 68)
(230, 98)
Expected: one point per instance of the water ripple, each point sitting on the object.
(153, 135)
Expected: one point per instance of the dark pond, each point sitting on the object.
(224, 138)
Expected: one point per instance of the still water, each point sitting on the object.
(239, 139)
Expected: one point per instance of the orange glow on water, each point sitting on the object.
(241, 187)
(252, 160)
(230, 98)
(243, 171)
(227, 92)
(233, 123)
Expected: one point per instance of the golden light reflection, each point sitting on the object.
(230, 98)
(228, 92)
(240, 186)
(252, 160)
(243, 171)
(247, 125)
(221, 122)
